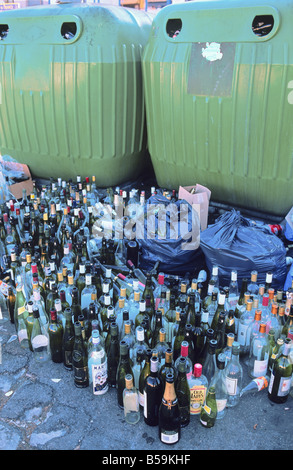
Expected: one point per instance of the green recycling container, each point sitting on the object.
(218, 79)
(72, 99)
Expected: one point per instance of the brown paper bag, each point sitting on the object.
(199, 199)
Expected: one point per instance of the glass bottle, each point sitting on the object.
(227, 351)
(234, 376)
(198, 338)
(219, 334)
(138, 364)
(244, 328)
(129, 337)
(180, 336)
(124, 368)
(79, 359)
(256, 385)
(230, 326)
(198, 385)
(219, 382)
(170, 316)
(19, 306)
(259, 353)
(209, 367)
(275, 321)
(253, 287)
(161, 346)
(220, 308)
(139, 343)
(183, 392)
(97, 365)
(146, 370)
(156, 331)
(113, 355)
(211, 306)
(68, 339)
(130, 401)
(152, 394)
(275, 353)
(40, 339)
(240, 307)
(55, 331)
(188, 363)
(167, 366)
(209, 334)
(233, 290)
(281, 375)
(208, 412)
(11, 303)
(169, 414)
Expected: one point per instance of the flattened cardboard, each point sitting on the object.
(199, 200)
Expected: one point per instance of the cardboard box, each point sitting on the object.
(20, 168)
(199, 197)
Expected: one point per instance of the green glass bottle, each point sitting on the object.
(183, 392)
(79, 359)
(169, 414)
(113, 355)
(180, 335)
(55, 330)
(281, 375)
(143, 375)
(208, 413)
(124, 368)
(68, 339)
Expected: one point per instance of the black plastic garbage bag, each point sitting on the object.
(171, 236)
(236, 243)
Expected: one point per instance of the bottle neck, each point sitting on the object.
(169, 393)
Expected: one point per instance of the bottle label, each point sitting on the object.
(207, 409)
(40, 341)
(231, 385)
(197, 398)
(20, 310)
(169, 437)
(100, 378)
(260, 367)
(243, 337)
(261, 383)
(284, 385)
(221, 404)
(80, 374)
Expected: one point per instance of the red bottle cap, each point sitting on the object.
(184, 350)
(34, 268)
(161, 279)
(197, 370)
(265, 300)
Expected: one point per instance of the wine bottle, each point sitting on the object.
(40, 339)
(55, 330)
(234, 376)
(183, 393)
(152, 394)
(68, 339)
(256, 385)
(169, 414)
(198, 384)
(130, 401)
(113, 355)
(124, 368)
(79, 359)
(97, 365)
(281, 375)
(146, 370)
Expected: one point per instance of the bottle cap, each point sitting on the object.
(197, 370)
(154, 364)
(265, 300)
(128, 381)
(184, 348)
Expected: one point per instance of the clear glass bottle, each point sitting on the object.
(233, 290)
(256, 385)
(234, 376)
(162, 346)
(97, 365)
(124, 368)
(219, 383)
(40, 339)
(227, 351)
(198, 385)
(259, 353)
(244, 328)
(253, 287)
(209, 366)
(130, 401)
(184, 353)
(79, 358)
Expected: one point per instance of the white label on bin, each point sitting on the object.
(212, 51)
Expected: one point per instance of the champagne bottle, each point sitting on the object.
(169, 414)
(208, 413)
(79, 359)
(183, 393)
(55, 330)
(152, 394)
(281, 375)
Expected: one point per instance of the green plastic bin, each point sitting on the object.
(218, 78)
(72, 98)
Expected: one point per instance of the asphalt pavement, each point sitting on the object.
(41, 409)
